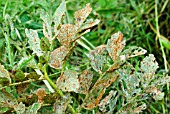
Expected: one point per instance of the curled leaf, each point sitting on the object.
(68, 81)
(115, 45)
(57, 57)
(34, 41)
(67, 34)
(85, 80)
(82, 14)
(97, 58)
(4, 75)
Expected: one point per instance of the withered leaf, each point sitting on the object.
(82, 14)
(97, 58)
(41, 94)
(4, 75)
(85, 80)
(57, 57)
(98, 90)
(115, 45)
(68, 81)
(34, 41)
(67, 34)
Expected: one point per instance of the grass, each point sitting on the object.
(143, 23)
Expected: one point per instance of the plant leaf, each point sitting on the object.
(60, 11)
(133, 51)
(67, 34)
(82, 14)
(97, 58)
(33, 109)
(47, 29)
(57, 57)
(115, 45)
(85, 80)
(89, 23)
(34, 41)
(4, 75)
(20, 109)
(68, 81)
(98, 90)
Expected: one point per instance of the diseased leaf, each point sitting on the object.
(98, 90)
(4, 75)
(162, 80)
(7, 100)
(89, 23)
(67, 34)
(82, 14)
(34, 41)
(106, 101)
(156, 94)
(97, 58)
(57, 57)
(139, 109)
(61, 104)
(68, 81)
(41, 94)
(85, 80)
(133, 51)
(115, 45)
(20, 109)
(60, 11)
(47, 29)
(33, 109)
(148, 68)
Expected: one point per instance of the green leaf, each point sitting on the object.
(165, 42)
(33, 109)
(26, 61)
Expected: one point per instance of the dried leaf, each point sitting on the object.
(61, 104)
(41, 94)
(47, 29)
(89, 23)
(98, 90)
(97, 58)
(67, 34)
(57, 57)
(4, 75)
(133, 51)
(82, 14)
(85, 80)
(115, 45)
(60, 11)
(34, 41)
(68, 81)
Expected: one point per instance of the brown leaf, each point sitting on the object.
(115, 45)
(41, 94)
(82, 14)
(57, 57)
(85, 80)
(67, 34)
